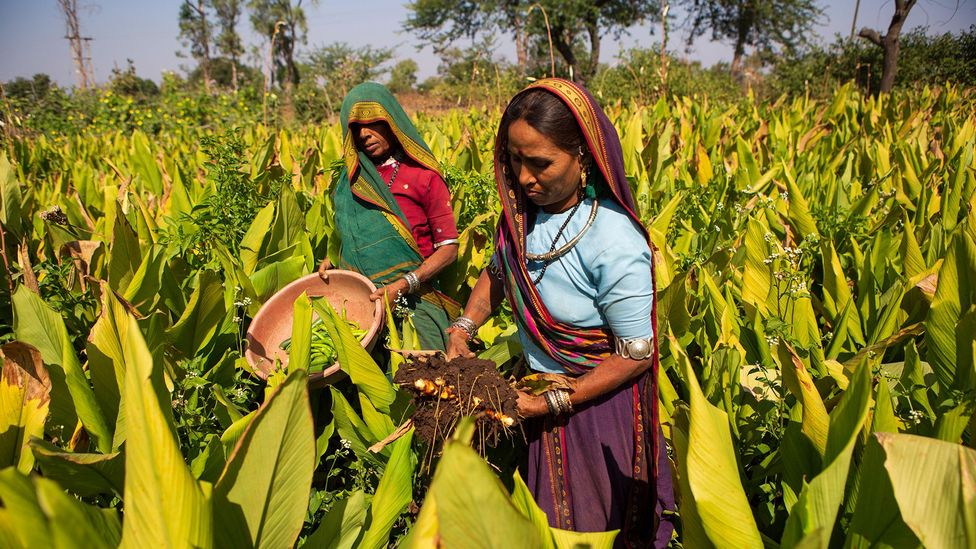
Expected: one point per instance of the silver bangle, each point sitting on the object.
(551, 403)
(565, 406)
(445, 242)
(413, 282)
(466, 325)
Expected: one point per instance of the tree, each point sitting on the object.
(79, 44)
(889, 43)
(403, 76)
(577, 25)
(195, 35)
(285, 27)
(443, 22)
(228, 14)
(338, 67)
(761, 24)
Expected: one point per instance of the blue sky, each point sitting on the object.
(32, 31)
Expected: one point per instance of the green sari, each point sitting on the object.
(376, 237)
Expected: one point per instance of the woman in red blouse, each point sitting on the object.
(393, 210)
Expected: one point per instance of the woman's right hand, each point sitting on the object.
(324, 266)
(457, 344)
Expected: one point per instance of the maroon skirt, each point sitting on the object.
(595, 470)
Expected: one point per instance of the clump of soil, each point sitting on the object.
(444, 391)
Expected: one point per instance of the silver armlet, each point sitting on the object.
(636, 349)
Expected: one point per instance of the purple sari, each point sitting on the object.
(604, 467)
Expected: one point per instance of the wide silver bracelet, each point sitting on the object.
(551, 403)
(466, 325)
(636, 349)
(557, 401)
(413, 282)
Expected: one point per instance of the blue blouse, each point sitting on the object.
(605, 280)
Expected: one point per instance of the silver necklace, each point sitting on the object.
(553, 254)
(396, 170)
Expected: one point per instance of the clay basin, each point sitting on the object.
(344, 290)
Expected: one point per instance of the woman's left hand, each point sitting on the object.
(393, 291)
(530, 405)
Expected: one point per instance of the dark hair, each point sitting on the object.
(548, 115)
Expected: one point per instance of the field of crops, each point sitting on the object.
(817, 302)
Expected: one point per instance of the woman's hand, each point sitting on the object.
(392, 291)
(530, 405)
(324, 266)
(457, 344)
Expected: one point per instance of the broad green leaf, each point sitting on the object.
(124, 254)
(83, 474)
(42, 515)
(883, 418)
(203, 314)
(565, 539)
(392, 494)
(799, 210)
(11, 201)
(25, 394)
(233, 434)
(165, 506)
(253, 240)
(954, 296)
(289, 223)
(932, 482)
(106, 362)
(837, 296)
(37, 324)
(712, 473)
(301, 334)
(424, 533)
(261, 497)
(342, 525)
(350, 426)
(876, 520)
(757, 275)
(277, 275)
(820, 500)
(480, 490)
(144, 286)
(525, 503)
(816, 422)
(355, 361)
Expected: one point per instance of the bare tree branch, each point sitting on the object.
(872, 36)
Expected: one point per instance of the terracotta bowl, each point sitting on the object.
(344, 290)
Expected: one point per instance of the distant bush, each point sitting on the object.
(922, 60)
(637, 77)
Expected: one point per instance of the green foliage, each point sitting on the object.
(815, 314)
(403, 76)
(224, 215)
(784, 24)
(923, 60)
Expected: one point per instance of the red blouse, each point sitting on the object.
(425, 201)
